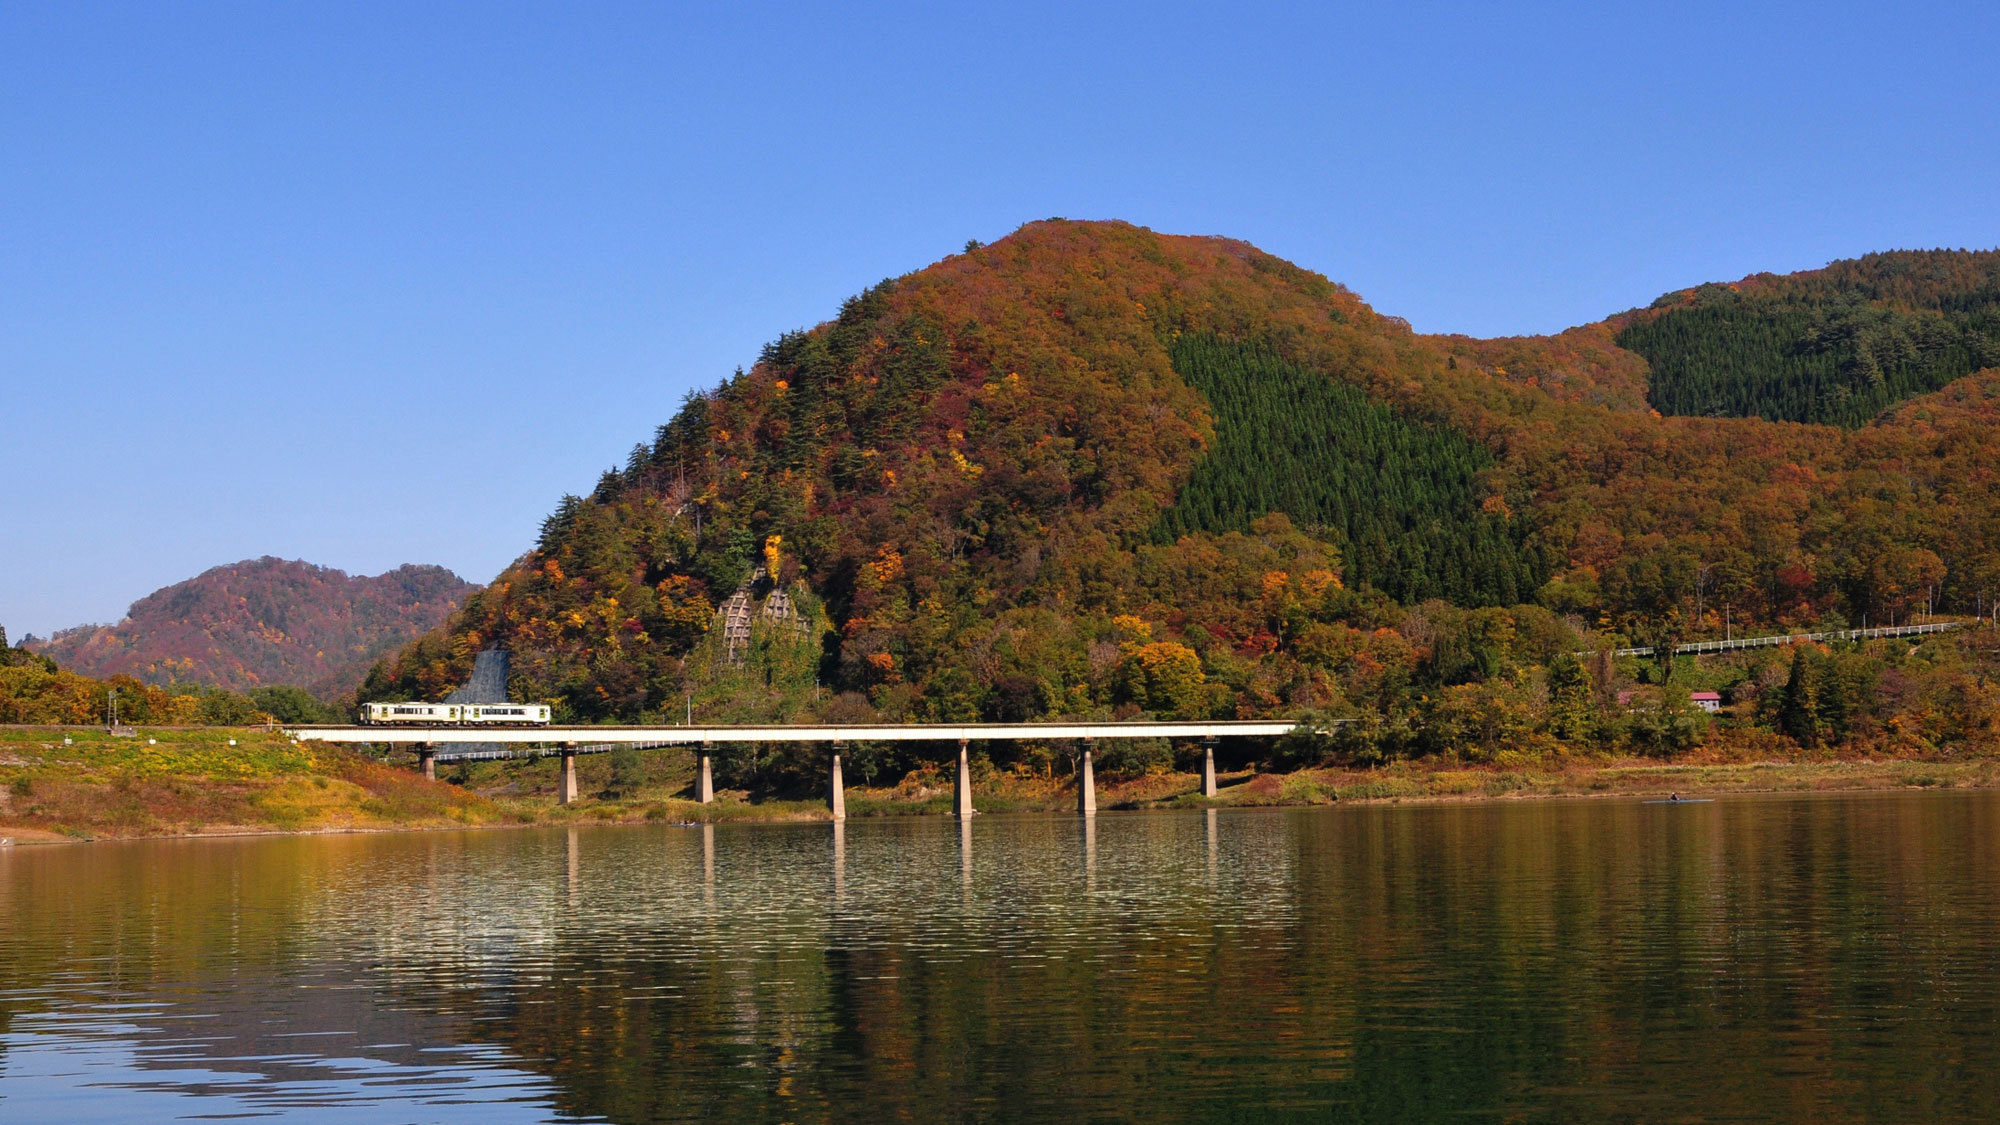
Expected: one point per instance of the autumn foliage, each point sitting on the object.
(264, 622)
(1094, 470)
(34, 690)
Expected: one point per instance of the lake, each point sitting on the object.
(1801, 958)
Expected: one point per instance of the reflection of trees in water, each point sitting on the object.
(1775, 957)
(892, 989)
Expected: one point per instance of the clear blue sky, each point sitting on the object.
(373, 284)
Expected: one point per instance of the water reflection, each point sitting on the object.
(570, 863)
(965, 859)
(144, 1060)
(839, 861)
(708, 866)
(1090, 852)
(1781, 959)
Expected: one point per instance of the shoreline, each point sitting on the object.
(1402, 783)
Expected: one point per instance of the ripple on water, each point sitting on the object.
(1766, 958)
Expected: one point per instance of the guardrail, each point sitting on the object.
(1695, 647)
(447, 753)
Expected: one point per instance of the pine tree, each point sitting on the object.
(1569, 698)
(1798, 709)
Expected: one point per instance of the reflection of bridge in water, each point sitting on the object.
(435, 744)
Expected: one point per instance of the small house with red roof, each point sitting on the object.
(1708, 701)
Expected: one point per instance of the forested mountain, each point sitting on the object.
(1835, 345)
(1092, 470)
(264, 622)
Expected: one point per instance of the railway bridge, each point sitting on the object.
(435, 744)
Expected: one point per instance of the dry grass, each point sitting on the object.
(184, 781)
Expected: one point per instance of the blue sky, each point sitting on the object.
(373, 284)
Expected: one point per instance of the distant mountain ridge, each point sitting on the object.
(262, 622)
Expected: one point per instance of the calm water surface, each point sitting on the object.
(1752, 959)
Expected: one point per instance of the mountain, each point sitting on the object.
(1093, 469)
(264, 622)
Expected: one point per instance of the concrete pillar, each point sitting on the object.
(704, 784)
(1086, 783)
(566, 785)
(427, 758)
(962, 784)
(1208, 767)
(836, 793)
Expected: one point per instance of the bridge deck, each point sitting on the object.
(600, 737)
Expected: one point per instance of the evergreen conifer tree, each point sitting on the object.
(1401, 495)
(1569, 698)
(1798, 709)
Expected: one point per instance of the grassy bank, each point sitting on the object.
(171, 782)
(84, 783)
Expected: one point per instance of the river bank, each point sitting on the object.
(68, 783)
(78, 784)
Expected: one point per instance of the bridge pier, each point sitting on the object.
(836, 793)
(566, 785)
(1086, 783)
(1208, 767)
(704, 785)
(427, 760)
(962, 784)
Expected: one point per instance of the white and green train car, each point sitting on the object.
(512, 714)
(478, 714)
(427, 713)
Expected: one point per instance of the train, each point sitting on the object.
(458, 714)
